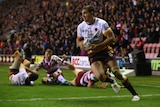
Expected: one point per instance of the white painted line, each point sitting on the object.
(74, 98)
(146, 85)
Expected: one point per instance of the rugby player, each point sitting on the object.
(20, 73)
(52, 69)
(99, 35)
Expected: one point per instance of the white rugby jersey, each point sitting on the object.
(90, 31)
(87, 76)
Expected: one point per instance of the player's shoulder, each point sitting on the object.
(99, 20)
(83, 23)
(102, 22)
(42, 61)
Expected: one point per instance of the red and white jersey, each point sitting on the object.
(49, 66)
(86, 77)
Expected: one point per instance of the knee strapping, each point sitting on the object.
(115, 68)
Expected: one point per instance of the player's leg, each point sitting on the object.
(107, 78)
(98, 70)
(116, 71)
(49, 80)
(14, 69)
(73, 82)
(59, 76)
(17, 61)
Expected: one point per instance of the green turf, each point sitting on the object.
(69, 96)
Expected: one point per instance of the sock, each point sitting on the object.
(61, 78)
(128, 85)
(110, 80)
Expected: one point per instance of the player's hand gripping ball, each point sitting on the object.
(86, 44)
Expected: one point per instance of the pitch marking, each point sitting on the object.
(74, 98)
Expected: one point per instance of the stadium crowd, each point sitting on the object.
(53, 23)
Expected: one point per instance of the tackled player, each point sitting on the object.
(20, 73)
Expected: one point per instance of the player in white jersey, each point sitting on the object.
(99, 36)
(87, 78)
(19, 73)
(51, 67)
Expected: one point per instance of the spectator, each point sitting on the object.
(39, 19)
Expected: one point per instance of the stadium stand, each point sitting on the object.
(52, 23)
(151, 50)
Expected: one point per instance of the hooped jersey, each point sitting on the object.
(86, 77)
(49, 66)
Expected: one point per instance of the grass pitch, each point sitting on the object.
(41, 95)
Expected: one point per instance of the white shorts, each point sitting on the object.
(19, 78)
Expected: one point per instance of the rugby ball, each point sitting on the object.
(86, 44)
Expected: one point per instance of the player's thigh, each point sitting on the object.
(97, 68)
(73, 82)
(113, 65)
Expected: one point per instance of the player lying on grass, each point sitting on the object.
(87, 78)
(20, 73)
(52, 69)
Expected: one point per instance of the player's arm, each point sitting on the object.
(110, 39)
(36, 68)
(122, 54)
(32, 71)
(70, 66)
(79, 41)
(92, 85)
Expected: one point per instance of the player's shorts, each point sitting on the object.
(104, 56)
(19, 78)
(79, 76)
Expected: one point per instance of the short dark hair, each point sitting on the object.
(89, 8)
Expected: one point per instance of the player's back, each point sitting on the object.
(87, 76)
